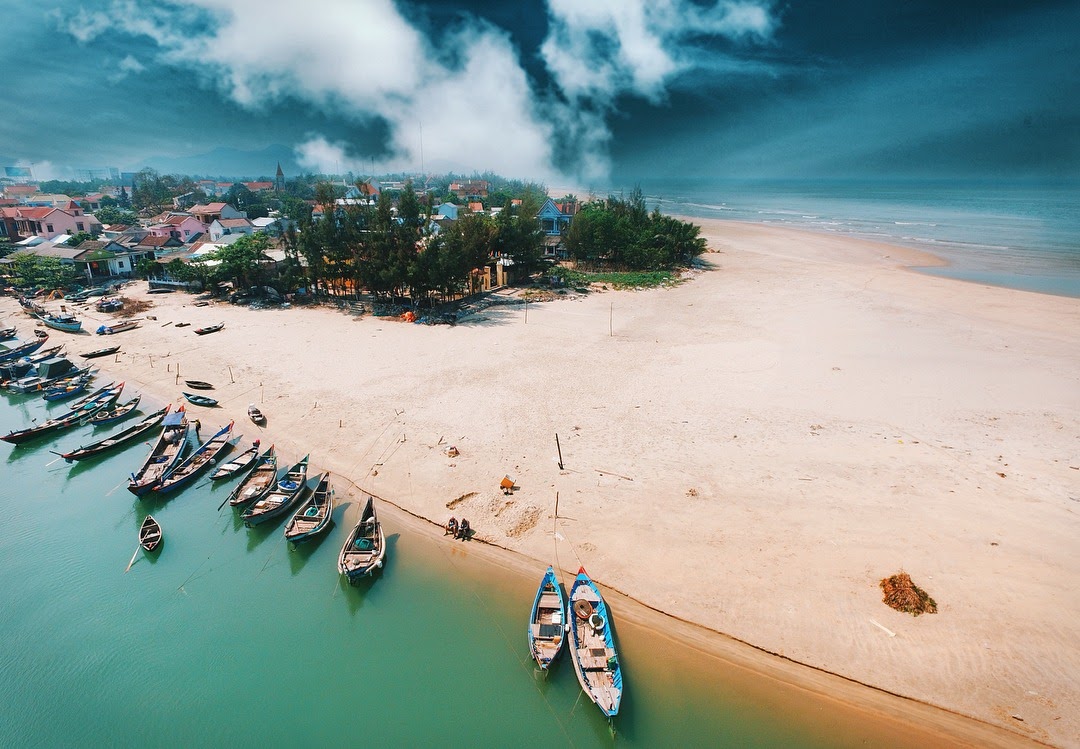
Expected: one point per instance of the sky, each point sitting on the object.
(583, 92)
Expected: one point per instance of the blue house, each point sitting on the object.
(555, 217)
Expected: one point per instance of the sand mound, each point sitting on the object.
(904, 595)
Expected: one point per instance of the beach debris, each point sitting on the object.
(903, 595)
(458, 500)
(691, 492)
(883, 628)
(507, 485)
(452, 452)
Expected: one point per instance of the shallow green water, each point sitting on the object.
(226, 637)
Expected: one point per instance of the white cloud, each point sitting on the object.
(467, 89)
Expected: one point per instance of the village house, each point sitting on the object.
(259, 186)
(107, 259)
(48, 222)
(224, 226)
(183, 226)
(471, 190)
(555, 219)
(210, 212)
(153, 246)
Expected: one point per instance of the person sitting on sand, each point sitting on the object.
(463, 530)
(451, 526)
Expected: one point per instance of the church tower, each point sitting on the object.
(279, 179)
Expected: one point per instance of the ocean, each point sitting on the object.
(226, 637)
(1012, 234)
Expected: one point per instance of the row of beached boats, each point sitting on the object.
(581, 619)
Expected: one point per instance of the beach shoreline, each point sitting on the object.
(802, 418)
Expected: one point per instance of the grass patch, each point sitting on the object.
(633, 279)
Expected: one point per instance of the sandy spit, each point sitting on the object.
(750, 451)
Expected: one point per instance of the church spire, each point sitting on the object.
(279, 179)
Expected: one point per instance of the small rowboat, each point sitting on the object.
(7, 333)
(100, 352)
(209, 329)
(241, 462)
(257, 481)
(200, 400)
(255, 414)
(119, 413)
(277, 502)
(198, 385)
(313, 517)
(592, 646)
(365, 548)
(119, 327)
(547, 621)
(149, 533)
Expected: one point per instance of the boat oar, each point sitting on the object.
(132, 559)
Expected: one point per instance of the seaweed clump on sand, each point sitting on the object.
(904, 595)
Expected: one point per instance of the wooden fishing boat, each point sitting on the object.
(166, 453)
(116, 413)
(69, 389)
(255, 414)
(17, 368)
(204, 456)
(209, 329)
(39, 382)
(258, 480)
(592, 646)
(119, 327)
(149, 533)
(198, 385)
(24, 350)
(118, 439)
(313, 517)
(100, 352)
(111, 304)
(110, 392)
(279, 499)
(62, 321)
(241, 462)
(365, 549)
(200, 400)
(547, 621)
(77, 415)
(7, 333)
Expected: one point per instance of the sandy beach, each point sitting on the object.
(750, 451)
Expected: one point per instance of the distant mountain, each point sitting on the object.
(227, 163)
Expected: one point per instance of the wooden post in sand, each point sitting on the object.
(559, 448)
(526, 310)
(610, 317)
(230, 375)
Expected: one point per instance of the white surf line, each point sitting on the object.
(884, 629)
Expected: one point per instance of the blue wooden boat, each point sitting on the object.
(204, 456)
(67, 390)
(62, 321)
(118, 439)
(364, 550)
(24, 350)
(278, 500)
(313, 517)
(166, 453)
(200, 400)
(257, 482)
(118, 413)
(592, 646)
(547, 622)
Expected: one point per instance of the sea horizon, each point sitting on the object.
(1019, 234)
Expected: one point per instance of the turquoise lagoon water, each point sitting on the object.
(228, 638)
(1021, 235)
